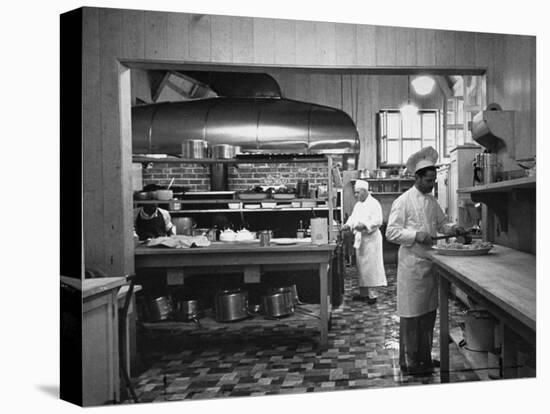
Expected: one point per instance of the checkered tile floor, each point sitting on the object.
(283, 359)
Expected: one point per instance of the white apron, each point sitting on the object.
(416, 282)
(368, 243)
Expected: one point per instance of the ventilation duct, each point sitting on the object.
(266, 125)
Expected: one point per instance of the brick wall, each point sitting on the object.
(196, 177)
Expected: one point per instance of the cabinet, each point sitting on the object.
(510, 219)
(100, 352)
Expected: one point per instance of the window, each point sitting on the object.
(398, 138)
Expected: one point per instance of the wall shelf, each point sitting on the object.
(502, 186)
(267, 159)
(246, 210)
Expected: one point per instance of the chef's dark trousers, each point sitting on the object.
(415, 341)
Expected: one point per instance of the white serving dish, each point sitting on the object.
(269, 204)
(234, 206)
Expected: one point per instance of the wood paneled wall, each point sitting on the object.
(111, 35)
(360, 96)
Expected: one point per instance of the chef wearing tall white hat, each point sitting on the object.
(415, 218)
(365, 221)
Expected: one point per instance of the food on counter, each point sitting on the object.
(477, 245)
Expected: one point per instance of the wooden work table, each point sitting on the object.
(503, 282)
(252, 260)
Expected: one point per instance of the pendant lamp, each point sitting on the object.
(409, 109)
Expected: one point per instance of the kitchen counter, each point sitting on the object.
(252, 260)
(503, 282)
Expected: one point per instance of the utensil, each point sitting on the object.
(164, 195)
(161, 308)
(171, 182)
(189, 310)
(223, 151)
(231, 305)
(194, 149)
(276, 305)
(184, 225)
(463, 238)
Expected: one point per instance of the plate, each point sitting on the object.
(283, 242)
(462, 252)
(252, 206)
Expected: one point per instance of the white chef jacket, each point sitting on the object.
(410, 213)
(368, 243)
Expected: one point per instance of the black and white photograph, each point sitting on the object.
(270, 209)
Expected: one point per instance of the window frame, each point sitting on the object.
(382, 139)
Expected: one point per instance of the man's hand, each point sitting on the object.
(423, 237)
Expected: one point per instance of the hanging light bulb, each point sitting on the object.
(409, 109)
(423, 85)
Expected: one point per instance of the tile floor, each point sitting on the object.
(283, 359)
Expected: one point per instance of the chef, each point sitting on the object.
(415, 218)
(151, 221)
(365, 221)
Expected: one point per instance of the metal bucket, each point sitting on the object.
(479, 330)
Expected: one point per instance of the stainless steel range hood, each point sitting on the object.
(255, 124)
(494, 129)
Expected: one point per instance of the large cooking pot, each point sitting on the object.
(188, 310)
(286, 289)
(231, 305)
(223, 151)
(194, 149)
(160, 309)
(277, 305)
(185, 225)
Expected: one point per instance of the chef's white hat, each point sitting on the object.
(426, 157)
(361, 184)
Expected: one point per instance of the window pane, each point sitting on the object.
(411, 126)
(393, 152)
(429, 126)
(451, 139)
(459, 136)
(393, 125)
(383, 150)
(410, 147)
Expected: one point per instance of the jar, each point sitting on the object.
(265, 238)
(176, 206)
